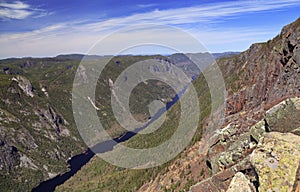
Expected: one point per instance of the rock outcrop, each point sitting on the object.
(221, 180)
(24, 84)
(248, 149)
(276, 160)
(9, 156)
(240, 183)
(262, 113)
(265, 74)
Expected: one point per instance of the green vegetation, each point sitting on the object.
(30, 123)
(56, 76)
(98, 175)
(27, 125)
(141, 96)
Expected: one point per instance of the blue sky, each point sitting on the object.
(51, 27)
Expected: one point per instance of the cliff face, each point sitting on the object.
(259, 81)
(266, 73)
(261, 126)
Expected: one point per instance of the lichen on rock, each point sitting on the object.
(276, 160)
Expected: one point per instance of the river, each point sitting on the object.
(78, 161)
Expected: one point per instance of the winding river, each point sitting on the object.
(78, 161)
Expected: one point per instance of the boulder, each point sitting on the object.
(240, 183)
(285, 116)
(221, 181)
(276, 160)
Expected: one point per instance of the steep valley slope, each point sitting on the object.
(37, 130)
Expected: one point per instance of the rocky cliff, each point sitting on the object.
(256, 149)
(263, 78)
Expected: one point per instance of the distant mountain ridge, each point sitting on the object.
(225, 54)
(80, 56)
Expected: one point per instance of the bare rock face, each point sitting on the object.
(276, 160)
(27, 162)
(82, 74)
(24, 84)
(227, 149)
(263, 97)
(9, 156)
(240, 183)
(229, 179)
(285, 116)
(266, 73)
(218, 182)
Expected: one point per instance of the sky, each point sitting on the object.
(40, 28)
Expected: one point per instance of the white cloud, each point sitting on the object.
(189, 15)
(15, 5)
(19, 10)
(14, 13)
(41, 13)
(203, 13)
(146, 5)
(74, 37)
